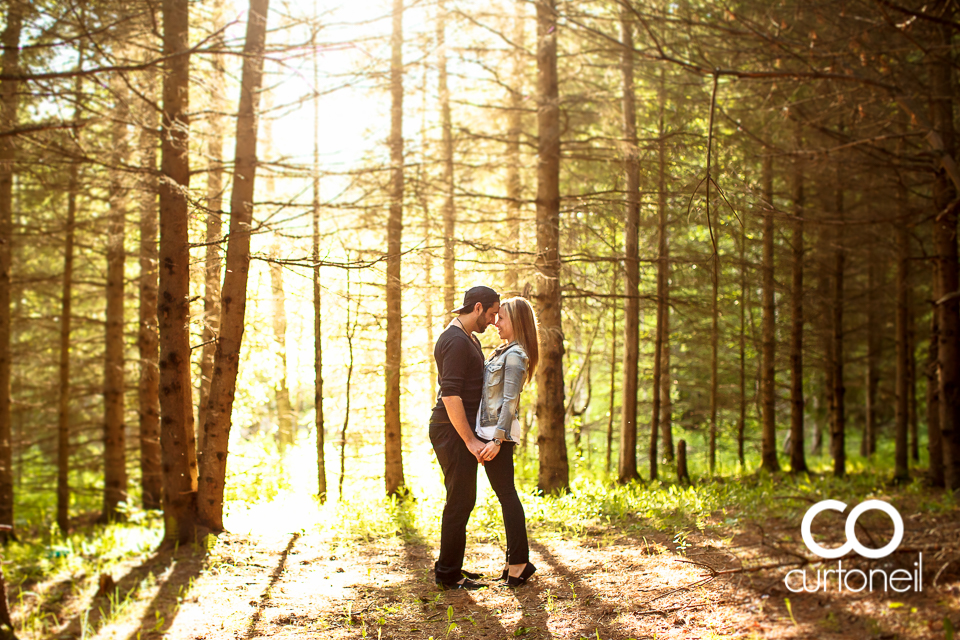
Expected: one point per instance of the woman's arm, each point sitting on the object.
(514, 371)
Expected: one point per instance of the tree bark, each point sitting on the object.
(901, 470)
(317, 307)
(148, 388)
(659, 372)
(177, 437)
(551, 441)
(9, 105)
(627, 470)
(393, 451)
(683, 476)
(741, 423)
(868, 444)
(948, 272)
(768, 384)
(213, 232)
(449, 212)
(216, 428)
(511, 281)
(285, 426)
(715, 299)
(666, 383)
(797, 462)
(350, 329)
(912, 425)
(114, 429)
(838, 424)
(936, 475)
(63, 404)
(66, 322)
(613, 363)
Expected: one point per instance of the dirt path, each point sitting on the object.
(303, 586)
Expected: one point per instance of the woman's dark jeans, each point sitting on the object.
(460, 478)
(500, 473)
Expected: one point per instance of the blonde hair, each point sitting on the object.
(525, 329)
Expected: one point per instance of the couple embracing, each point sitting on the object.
(474, 422)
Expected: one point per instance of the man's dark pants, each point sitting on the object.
(460, 478)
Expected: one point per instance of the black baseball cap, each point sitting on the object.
(480, 293)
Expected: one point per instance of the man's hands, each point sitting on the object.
(482, 452)
(458, 416)
(478, 450)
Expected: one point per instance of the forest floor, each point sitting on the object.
(632, 577)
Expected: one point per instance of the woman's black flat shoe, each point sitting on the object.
(528, 571)
(503, 576)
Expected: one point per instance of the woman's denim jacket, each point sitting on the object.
(503, 377)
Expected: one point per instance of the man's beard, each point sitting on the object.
(482, 324)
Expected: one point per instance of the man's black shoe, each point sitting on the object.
(473, 575)
(467, 584)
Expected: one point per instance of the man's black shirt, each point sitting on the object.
(459, 372)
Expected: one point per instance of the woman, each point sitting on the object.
(511, 365)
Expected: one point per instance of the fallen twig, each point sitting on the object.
(664, 612)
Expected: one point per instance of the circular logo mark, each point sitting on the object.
(852, 542)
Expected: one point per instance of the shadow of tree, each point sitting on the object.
(178, 568)
(266, 595)
(183, 566)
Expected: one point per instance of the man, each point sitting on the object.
(460, 376)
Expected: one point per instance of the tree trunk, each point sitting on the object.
(177, 437)
(613, 363)
(797, 460)
(446, 147)
(631, 307)
(285, 426)
(216, 428)
(683, 476)
(901, 470)
(393, 451)
(511, 281)
(148, 389)
(825, 324)
(838, 424)
(934, 437)
(666, 402)
(663, 278)
(768, 383)
(945, 248)
(551, 441)
(350, 330)
(214, 235)
(659, 372)
(912, 379)
(114, 429)
(868, 444)
(741, 423)
(317, 307)
(63, 405)
(9, 105)
(66, 321)
(715, 300)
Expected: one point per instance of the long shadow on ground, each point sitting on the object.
(266, 595)
(180, 567)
